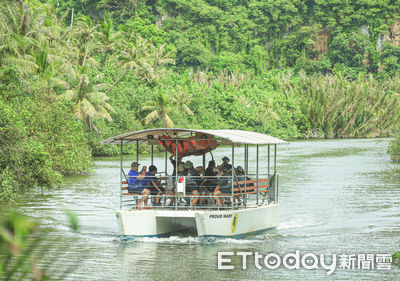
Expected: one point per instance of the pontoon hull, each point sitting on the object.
(157, 222)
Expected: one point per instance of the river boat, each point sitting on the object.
(249, 206)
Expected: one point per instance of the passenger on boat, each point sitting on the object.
(153, 184)
(200, 170)
(192, 181)
(202, 188)
(210, 180)
(224, 185)
(181, 172)
(173, 162)
(225, 161)
(135, 183)
(240, 177)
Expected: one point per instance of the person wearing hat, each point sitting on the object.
(192, 181)
(225, 161)
(135, 183)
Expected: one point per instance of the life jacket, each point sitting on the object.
(195, 145)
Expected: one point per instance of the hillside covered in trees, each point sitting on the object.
(75, 72)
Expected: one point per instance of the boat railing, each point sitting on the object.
(240, 191)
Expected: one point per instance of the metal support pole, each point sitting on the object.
(246, 155)
(268, 159)
(137, 151)
(257, 171)
(233, 155)
(120, 179)
(275, 160)
(204, 163)
(176, 172)
(152, 154)
(166, 161)
(246, 166)
(233, 172)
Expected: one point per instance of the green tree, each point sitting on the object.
(160, 106)
(87, 96)
(111, 40)
(183, 98)
(86, 34)
(18, 24)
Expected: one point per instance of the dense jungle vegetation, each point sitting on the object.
(75, 72)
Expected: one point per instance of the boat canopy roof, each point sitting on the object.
(227, 137)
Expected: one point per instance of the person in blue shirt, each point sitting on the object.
(135, 184)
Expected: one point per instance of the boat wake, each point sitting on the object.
(300, 222)
(188, 240)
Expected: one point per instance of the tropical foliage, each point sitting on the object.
(394, 149)
(24, 249)
(78, 71)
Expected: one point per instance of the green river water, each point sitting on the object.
(336, 197)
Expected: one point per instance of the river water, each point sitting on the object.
(336, 197)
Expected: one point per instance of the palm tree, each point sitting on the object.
(160, 106)
(89, 100)
(85, 33)
(17, 26)
(158, 59)
(182, 98)
(30, 39)
(135, 57)
(267, 111)
(110, 38)
(144, 59)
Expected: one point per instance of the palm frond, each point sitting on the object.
(151, 117)
(68, 95)
(167, 120)
(148, 107)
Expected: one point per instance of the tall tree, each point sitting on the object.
(110, 38)
(160, 106)
(143, 59)
(87, 96)
(86, 33)
(17, 26)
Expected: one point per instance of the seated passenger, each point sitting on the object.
(210, 180)
(225, 161)
(224, 184)
(192, 181)
(202, 189)
(135, 183)
(151, 183)
(241, 175)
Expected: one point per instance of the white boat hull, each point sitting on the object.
(155, 222)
